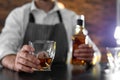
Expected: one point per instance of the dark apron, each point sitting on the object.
(55, 32)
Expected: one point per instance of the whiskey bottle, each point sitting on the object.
(79, 38)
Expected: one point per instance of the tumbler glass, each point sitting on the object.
(45, 52)
(113, 56)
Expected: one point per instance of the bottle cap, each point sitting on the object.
(80, 22)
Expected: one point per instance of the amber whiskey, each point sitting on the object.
(45, 62)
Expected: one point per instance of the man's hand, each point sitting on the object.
(84, 52)
(23, 61)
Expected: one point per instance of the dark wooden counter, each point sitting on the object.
(59, 72)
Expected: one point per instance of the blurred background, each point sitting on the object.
(100, 17)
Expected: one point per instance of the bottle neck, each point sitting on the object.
(78, 29)
(80, 22)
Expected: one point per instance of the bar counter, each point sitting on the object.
(59, 72)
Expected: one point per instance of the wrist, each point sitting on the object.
(8, 61)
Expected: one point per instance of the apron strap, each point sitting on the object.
(31, 18)
(60, 16)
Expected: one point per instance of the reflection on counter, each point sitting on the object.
(75, 73)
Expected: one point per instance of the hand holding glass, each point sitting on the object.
(45, 52)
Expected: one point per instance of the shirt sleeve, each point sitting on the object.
(97, 53)
(10, 36)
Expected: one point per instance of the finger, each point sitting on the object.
(84, 46)
(84, 51)
(23, 68)
(83, 55)
(27, 48)
(86, 59)
(27, 63)
(29, 57)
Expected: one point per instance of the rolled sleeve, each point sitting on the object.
(97, 52)
(5, 52)
(10, 38)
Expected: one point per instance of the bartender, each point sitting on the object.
(39, 20)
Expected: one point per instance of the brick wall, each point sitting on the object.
(6, 6)
(100, 17)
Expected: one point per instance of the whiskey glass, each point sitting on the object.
(113, 56)
(45, 52)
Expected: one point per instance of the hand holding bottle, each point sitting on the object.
(84, 52)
